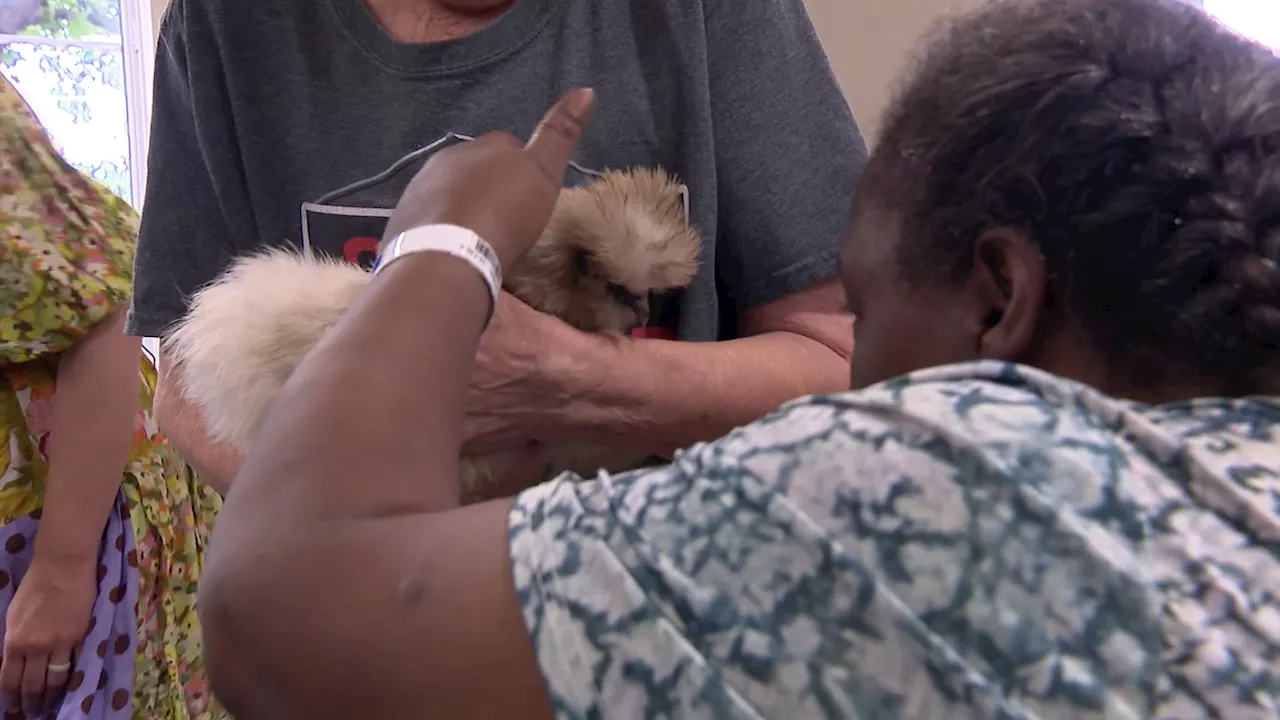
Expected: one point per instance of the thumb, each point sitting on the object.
(553, 141)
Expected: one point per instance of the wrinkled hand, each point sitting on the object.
(513, 390)
(505, 191)
(495, 185)
(47, 620)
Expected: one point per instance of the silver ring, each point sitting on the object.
(59, 668)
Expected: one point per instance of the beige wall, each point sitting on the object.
(157, 9)
(868, 41)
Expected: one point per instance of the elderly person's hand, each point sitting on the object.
(516, 384)
(463, 185)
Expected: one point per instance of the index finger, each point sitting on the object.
(11, 667)
(552, 143)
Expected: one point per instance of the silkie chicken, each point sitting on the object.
(608, 246)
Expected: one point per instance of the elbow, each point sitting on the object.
(181, 425)
(829, 359)
(829, 346)
(164, 410)
(224, 659)
(228, 629)
(838, 342)
(257, 647)
(816, 318)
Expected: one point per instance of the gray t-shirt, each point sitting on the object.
(262, 108)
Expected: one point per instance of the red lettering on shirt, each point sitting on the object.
(354, 247)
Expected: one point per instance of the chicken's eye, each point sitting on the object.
(581, 263)
(623, 295)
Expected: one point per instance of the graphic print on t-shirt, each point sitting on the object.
(341, 224)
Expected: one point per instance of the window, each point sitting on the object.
(84, 66)
(1256, 19)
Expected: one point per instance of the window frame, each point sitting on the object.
(138, 44)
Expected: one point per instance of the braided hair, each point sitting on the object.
(1136, 141)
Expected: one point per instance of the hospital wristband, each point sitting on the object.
(454, 240)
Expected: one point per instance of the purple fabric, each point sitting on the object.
(101, 683)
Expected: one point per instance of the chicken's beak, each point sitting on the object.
(641, 309)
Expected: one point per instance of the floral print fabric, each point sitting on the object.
(972, 541)
(66, 248)
(66, 254)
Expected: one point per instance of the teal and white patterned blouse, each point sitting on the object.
(972, 541)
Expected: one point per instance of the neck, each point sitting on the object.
(427, 21)
(1151, 382)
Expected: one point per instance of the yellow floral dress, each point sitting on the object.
(66, 261)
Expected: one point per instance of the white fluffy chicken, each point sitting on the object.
(608, 247)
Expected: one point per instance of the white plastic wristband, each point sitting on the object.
(452, 240)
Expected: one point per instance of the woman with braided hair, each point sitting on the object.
(1052, 492)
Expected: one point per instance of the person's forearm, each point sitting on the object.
(659, 396)
(95, 404)
(215, 464)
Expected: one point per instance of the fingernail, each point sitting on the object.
(580, 102)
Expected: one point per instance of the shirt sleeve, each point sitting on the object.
(66, 246)
(690, 590)
(192, 223)
(788, 151)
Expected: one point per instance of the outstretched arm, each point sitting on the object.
(657, 396)
(343, 577)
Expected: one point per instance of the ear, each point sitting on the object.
(1009, 282)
